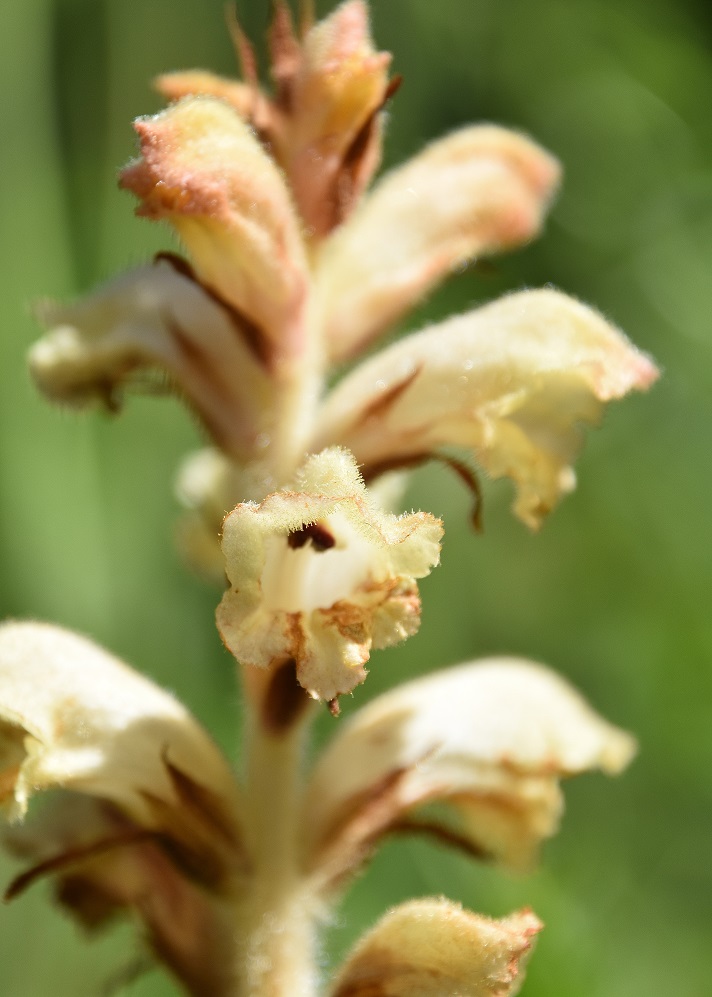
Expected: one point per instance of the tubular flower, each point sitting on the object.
(148, 818)
(487, 742)
(319, 575)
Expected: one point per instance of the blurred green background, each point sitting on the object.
(615, 592)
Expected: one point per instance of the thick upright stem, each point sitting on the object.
(276, 938)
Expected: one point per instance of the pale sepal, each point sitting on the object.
(434, 948)
(513, 382)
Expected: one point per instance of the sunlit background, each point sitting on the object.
(614, 592)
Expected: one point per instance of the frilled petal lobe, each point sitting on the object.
(330, 142)
(512, 381)
(157, 318)
(320, 575)
(479, 191)
(434, 948)
(487, 741)
(203, 170)
(72, 716)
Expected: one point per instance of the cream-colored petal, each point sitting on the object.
(489, 740)
(479, 191)
(512, 381)
(330, 144)
(89, 723)
(320, 574)
(203, 170)
(157, 318)
(434, 948)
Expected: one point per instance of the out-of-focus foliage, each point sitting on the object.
(615, 591)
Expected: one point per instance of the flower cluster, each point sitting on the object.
(296, 267)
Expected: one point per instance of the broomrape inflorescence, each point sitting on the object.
(295, 268)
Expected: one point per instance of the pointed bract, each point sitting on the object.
(330, 143)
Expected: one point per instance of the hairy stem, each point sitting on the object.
(276, 940)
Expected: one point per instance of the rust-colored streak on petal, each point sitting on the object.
(206, 805)
(353, 834)
(465, 473)
(359, 163)
(159, 322)
(378, 408)
(443, 835)
(246, 330)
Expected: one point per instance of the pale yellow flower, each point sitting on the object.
(319, 575)
(513, 382)
(146, 816)
(472, 755)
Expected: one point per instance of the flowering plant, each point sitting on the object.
(295, 268)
